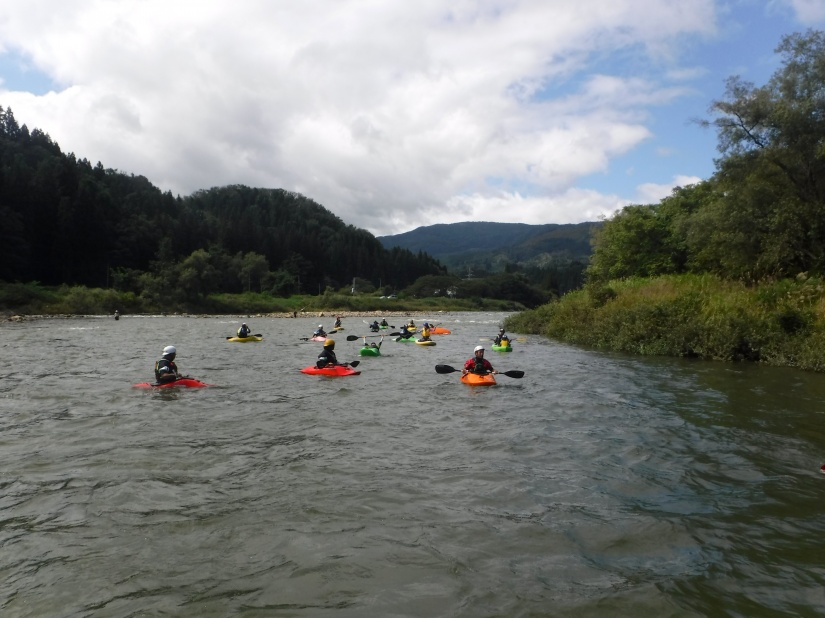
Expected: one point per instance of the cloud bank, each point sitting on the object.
(390, 114)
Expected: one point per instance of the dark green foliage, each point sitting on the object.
(762, 215)
(552, 256)
(66, 222)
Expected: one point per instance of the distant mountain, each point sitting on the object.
(491, 246)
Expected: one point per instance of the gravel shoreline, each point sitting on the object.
(416, 315)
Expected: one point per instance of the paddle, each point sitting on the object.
(510, 374)
(255, 335)
(519, 339)
(356, 337)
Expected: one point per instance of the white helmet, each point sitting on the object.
(320, 326)
(477, 348)
(170, 349)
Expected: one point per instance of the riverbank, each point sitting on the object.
(779, 323)
(31, 299)
(375, 315)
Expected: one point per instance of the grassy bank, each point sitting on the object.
(777, 323)
(34, 299)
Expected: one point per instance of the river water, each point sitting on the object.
(597, 485)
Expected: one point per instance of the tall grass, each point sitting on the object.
(778, 323)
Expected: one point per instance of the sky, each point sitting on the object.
(395, 115)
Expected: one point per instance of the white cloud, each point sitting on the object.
(392, 115)
(808, 11)
(651, 193)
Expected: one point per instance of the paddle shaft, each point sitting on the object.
(514, 373)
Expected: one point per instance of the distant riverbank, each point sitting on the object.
(375, 315)
(32, 299)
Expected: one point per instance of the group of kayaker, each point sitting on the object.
(167, 371)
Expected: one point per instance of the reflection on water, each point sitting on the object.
(596, 485)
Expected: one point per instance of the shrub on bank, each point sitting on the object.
(779, 323)
(32, 299)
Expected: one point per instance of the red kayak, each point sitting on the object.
(188, 382)
(337, 370)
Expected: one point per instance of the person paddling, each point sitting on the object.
(478, 364)
(501, 339)
(404, 333)
(165, 369)
(244, 331)
(425, 332)
(327, 356)
(320, 332)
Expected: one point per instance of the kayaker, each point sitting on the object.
(405, 333)
(411, 325)
(501, 337)
(243, 331)
(384, 322)
(478, 364)
(165, 369)
(319, 332)
(425, 332)
(327, 356)
(374, 326)
(117, 314)
(337, 321)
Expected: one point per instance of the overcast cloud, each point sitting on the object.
(394, 114)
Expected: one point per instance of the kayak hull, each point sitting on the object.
(245, 339)
(370, 351)
(430, 342)
(475, 379)
(407, 340)
(180, 382)
(318, 339)
(337, 371)
(440, 331)
(502, 348)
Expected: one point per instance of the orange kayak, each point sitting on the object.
(478, 379)
(440, 331)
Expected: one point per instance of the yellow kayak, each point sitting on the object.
(249, 338)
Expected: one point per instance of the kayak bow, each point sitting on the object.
(478, 379)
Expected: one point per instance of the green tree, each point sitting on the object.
(774, 137)
(254, 268)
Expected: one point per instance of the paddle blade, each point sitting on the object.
(352, 337)
(395, 334)
(354, 363)
(514, 374)
(445, 369)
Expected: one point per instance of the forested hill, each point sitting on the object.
(65, 221)
(458, 244)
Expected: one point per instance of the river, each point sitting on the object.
(596, 485)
